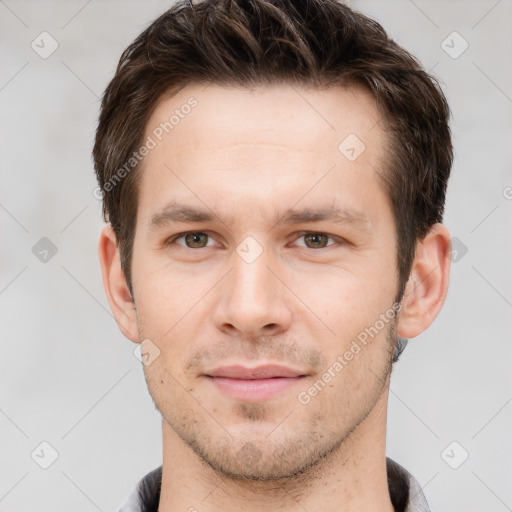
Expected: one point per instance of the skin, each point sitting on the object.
(247, 156)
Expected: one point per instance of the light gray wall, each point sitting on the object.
(68, 377)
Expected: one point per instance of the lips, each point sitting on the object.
(260, 372)
(254, 384)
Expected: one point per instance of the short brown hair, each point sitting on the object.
(248, 43)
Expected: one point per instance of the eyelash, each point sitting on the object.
(173, 239)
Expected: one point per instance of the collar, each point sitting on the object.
(404, 490)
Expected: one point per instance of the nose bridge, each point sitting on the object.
(251, 278)
(253, 300)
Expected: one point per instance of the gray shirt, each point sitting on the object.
(404, 490)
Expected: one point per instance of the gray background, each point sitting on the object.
(68, 377)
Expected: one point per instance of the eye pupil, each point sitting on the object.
(195, 238)
(316, 238)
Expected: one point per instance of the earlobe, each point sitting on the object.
(427, 287)
(116, 287)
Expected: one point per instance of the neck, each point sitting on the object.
(353, 477)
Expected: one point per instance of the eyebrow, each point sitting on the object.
(175, 212)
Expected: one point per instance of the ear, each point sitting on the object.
(116, 287)
(427, 286)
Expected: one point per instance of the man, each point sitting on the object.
(274, 176)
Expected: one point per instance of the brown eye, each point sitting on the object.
(316, 240)
(194, 239)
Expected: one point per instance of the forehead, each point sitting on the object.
(296, 115)
(268, 144)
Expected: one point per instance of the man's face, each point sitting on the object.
(258, 286)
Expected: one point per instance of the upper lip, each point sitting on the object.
(259, 372)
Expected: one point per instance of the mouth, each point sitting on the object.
(254, 384)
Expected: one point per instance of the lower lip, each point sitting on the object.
(254, 389)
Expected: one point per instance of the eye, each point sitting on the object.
(193, 239)
(200, 239)
(315, 240)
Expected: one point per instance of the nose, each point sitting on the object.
(253, 299)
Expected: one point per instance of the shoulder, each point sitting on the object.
(146, 495)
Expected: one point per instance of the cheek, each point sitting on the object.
(344, 301)
(163, 293)
(169, 303)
